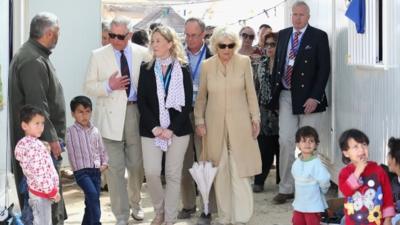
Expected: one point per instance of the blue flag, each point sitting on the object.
(356, 12)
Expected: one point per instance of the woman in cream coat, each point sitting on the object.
(227, 117)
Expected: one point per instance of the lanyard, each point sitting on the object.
(167, 78)
(198, 62)
(295, 50)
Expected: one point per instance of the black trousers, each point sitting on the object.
(269, 147)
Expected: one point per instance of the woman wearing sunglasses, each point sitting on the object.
(247, 36)
(268, 140)
(227, 117)
(165, 101)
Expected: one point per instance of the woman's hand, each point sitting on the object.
(201, 130)
(157, 131)
(255, 129)
(166, 134)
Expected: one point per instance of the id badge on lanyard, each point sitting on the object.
(194, 72)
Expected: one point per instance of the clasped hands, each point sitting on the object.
(118, 82)
(255, 125)
(163, 133)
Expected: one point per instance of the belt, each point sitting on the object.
(131, 102)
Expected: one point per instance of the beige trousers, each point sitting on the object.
(125, 154)
(188, 188)
(288, 125)
(233, 193)
(164, 201)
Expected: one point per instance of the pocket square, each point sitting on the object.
(307, 47)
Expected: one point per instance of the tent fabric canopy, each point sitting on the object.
(166, 16)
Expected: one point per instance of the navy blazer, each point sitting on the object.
(148, 103)
(311, 69)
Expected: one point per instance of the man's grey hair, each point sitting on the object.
(105, 26)
(301, 3)
(121, 21)
(200, 22)
(41, 22)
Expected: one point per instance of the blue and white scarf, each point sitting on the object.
(175, 98)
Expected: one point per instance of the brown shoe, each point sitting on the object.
(282, 198)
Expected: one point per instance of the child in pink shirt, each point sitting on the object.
(37, 165)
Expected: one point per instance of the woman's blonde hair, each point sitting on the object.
(170, 35)
(219, 34)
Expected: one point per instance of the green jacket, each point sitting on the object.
(33, 80)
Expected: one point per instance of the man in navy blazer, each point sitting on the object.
(301, 71)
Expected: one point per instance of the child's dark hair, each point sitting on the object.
(357, 135)
(307, 131)
(394, 149)
(80, 100)
(27, 113)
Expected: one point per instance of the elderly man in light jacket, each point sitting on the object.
(112, 78)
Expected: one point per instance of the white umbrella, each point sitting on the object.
(203, 174)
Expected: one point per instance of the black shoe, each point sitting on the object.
(105, 188)
(282, 198)
(204, 219)
(258, 188)
(186, 213)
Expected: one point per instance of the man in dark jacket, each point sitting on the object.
(33, 80)
(301, 68)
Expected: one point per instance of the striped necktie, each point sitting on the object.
(292, 56)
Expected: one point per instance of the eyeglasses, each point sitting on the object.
(120, 37)
(249, 36)
(223, 46)
(270, 44)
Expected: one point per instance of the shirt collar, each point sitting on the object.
(302, 30)
(126, 49)
(45, 51)
(76, 124)
(29, 137)
(189, 52)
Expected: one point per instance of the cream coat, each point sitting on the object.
(110, 109)
(227, 105)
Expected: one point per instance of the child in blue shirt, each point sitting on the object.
(312, 180)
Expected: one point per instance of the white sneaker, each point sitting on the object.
(137, 214)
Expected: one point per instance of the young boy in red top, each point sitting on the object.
(363, 183)
(37, 165)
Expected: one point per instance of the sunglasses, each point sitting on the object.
(270, 44)
(249, 36)
(223, 46)
(118, 36)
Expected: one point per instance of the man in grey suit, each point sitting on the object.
(33, 80)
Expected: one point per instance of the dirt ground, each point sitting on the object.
(265, 213)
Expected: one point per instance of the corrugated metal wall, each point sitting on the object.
(366, 98)
(363, 49)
